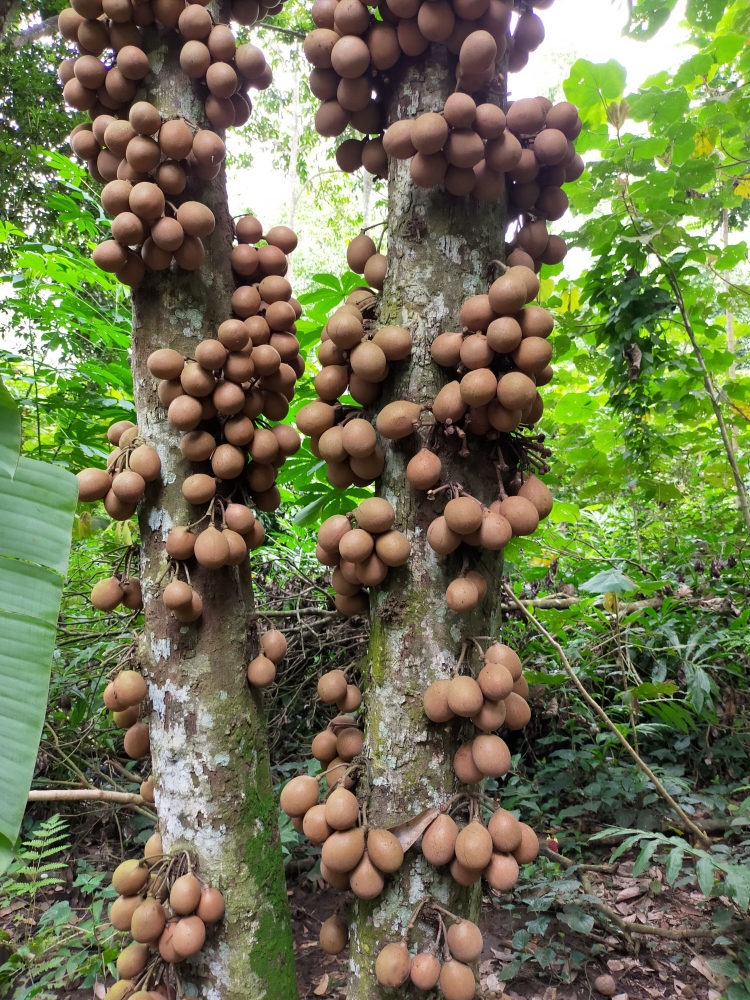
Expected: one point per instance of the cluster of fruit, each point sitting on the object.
(363, 257)
(503, 350)
(498, 697)
(130, 466)
(542, 136)
(141, 157)
(350, 51)
(342, 739)
(475, 148)
(261, 671)
(361, 556)
(123, 697)
(166, 908)
(462, 945)
(477, 851)
(140, 172)
(210, 54)
(352, 856)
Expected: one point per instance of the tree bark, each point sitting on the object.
(213, 784)
(439, 249)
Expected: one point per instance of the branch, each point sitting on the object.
(689, 824)
(282, 31)
(26, 36)
(671, 933)
(85, 795)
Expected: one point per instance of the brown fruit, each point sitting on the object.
(464, 767)
(397, 140)
(500, 653)
(385, 851)
(425, 971)
(516, 391)
(356, 546)
(428, 169)
(148, 921)
(517, 711)
(491, 755)
(490, 716)
(132, 960)
(106, 594)
(537, 493)
(341, 809)
(528, 849)
(424, 470)
(464, 696)
(521, 514)
(299, 795)
(272, 642)
(375, 515)
(129, 878)
(332, 687)
(461, 595)
(505, 831)
(396, 420)
(365, 880)
(495, 681)
(605, 985)
(349, 743)
(465, 941)
(129, 688)
(261, 672)
(446, 349)
(211, 906)
(393, 964)
(93, 484)
(392, 548)
(457, 981)
(441, 538)
(314, 825)
(137, 743)
(334, 934)
(478, 388)
(502, 872)
(332, 531)
(435, 701)
(344, 849)
(188, 936)
(122, 910)
(474, 845)
(439, 840)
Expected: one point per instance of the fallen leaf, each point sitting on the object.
(715, 979)
(99, 991)
(492, 984)
(632, 892)
(408, 833)
(714, 995)
(322, 988)
(620, 996)
(485, 968)
(550, 993)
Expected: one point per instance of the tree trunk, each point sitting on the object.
(214, 791)
(439, 249)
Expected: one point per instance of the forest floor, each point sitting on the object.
(650, 968)
(558, 965)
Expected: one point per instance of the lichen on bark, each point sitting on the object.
(439, 249)
(214, 790)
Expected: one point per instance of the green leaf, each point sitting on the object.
(10, 433)
(591, 84)
(576, 918)
(309, 513)
(704, 869)
(644, 858)
(609, 581)
(37, 509)
(674, 864)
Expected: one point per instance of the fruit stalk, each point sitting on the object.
(438, 252)
(214, 792)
